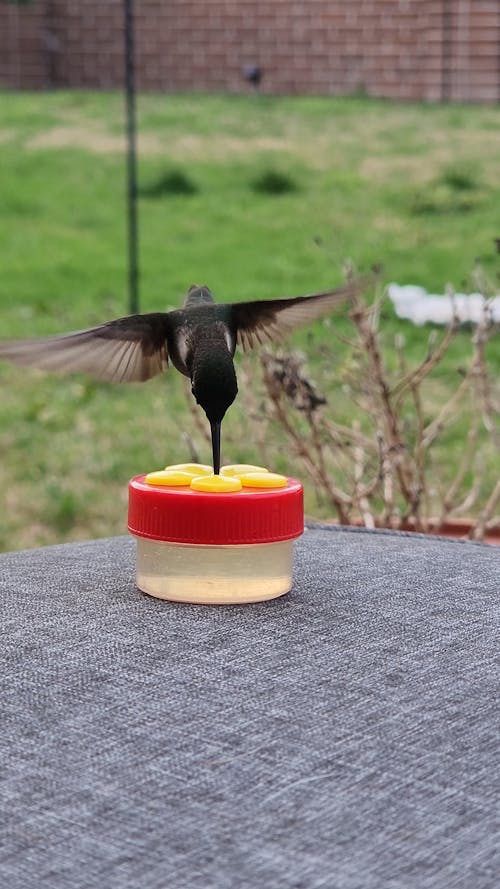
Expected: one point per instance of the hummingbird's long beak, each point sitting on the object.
(215, 428)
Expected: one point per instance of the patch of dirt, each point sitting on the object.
(321, 150)
(6, 136)
(384, 169)
(216, 149)
(97, 141)
(421, 167)
(100, 142)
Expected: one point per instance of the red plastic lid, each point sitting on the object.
(181, 515)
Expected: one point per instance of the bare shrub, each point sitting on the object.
(388, 467)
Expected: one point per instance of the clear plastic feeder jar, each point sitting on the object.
(215, 548)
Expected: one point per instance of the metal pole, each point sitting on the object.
(132, 221)
(446, 51)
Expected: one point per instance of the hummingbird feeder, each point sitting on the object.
(215, 539)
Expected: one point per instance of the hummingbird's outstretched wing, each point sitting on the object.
(255, 322)
(122, 351)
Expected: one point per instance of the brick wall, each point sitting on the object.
(400, 49)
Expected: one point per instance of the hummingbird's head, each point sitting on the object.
(213, 381)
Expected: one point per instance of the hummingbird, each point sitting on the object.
(199, 339)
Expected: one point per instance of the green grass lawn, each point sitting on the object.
(257, 197)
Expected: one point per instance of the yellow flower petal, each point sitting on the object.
(194, 469)
(168, 477)
(216, 483)
(263, 480)
(239, 469)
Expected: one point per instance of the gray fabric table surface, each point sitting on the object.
(345, 736)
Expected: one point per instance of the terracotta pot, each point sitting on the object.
(459, 529)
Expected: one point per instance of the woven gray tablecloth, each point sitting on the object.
(345, 736)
